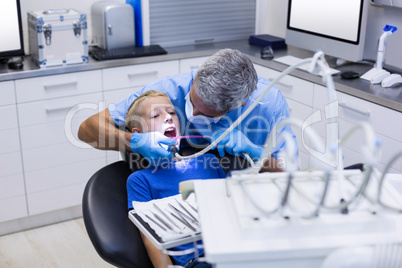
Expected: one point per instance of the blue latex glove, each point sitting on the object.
(149, 146)
(236, 143)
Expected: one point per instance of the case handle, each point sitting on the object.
(56, 11)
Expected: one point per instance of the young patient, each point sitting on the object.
(153, 112)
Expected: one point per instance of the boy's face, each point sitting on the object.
(160, 115)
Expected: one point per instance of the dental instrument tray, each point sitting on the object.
(167, 222)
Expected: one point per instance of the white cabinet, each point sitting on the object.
(56, 86)
(351, 110)
(12, 187)
(50, 110)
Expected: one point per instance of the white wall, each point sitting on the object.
(271, 19)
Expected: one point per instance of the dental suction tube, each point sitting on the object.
(247, 112)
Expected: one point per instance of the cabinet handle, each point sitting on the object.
(344, 105)
(144, 73)
(58, 109)
(282, 84)
(72, 83)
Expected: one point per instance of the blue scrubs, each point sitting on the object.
(163, 181)
(256, 126)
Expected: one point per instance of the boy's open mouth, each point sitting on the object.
(170, 132)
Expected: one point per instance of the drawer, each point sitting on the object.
(54, 86)
(138, 75)
(7, 93)
(355, 144)
(55, 199)
(291, 87)
(304, 161)
(41, 112)
(321, 97)
(13, 208)
(389, 148)
(12, 186)
(58, 155)
(10, 164)
(187, 65)
(301, 112)
(9, 141)
(9, 121)
(52, 133)
(114, 96)
(62, 176)
(384, 121)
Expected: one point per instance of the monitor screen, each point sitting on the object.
(337, 27)
(10, 29)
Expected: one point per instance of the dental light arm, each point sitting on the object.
(318, 65)
(247, 112)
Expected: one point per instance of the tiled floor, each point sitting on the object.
(64, 244)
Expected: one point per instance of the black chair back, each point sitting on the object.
(104, 205)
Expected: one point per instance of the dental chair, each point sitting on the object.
(104, 209)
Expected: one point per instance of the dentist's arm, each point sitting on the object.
(101, 132)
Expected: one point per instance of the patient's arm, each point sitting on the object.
(101, 132)
(158, 259)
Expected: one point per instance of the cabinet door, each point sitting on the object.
(138, 75)
(9, 135)
(351, 111)
(56, 164)
(12, 187)
(111, 97)
(63, 185)
(54, 86)
(49, 122)
(187, 65)
(7, 93)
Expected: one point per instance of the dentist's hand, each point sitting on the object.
(235, 143)
(148, 145)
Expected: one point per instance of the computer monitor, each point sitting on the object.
(11, 37)
(337, 27)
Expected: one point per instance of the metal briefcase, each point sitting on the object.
(58, 37)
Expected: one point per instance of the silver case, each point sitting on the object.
(112, 24)
(68, 42)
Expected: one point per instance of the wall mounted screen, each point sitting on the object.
(11, 43)
(335, 26)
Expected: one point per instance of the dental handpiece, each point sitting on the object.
(173, 148)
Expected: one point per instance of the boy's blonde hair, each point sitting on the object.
(134, 113)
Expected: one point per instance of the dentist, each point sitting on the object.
(208, 101)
